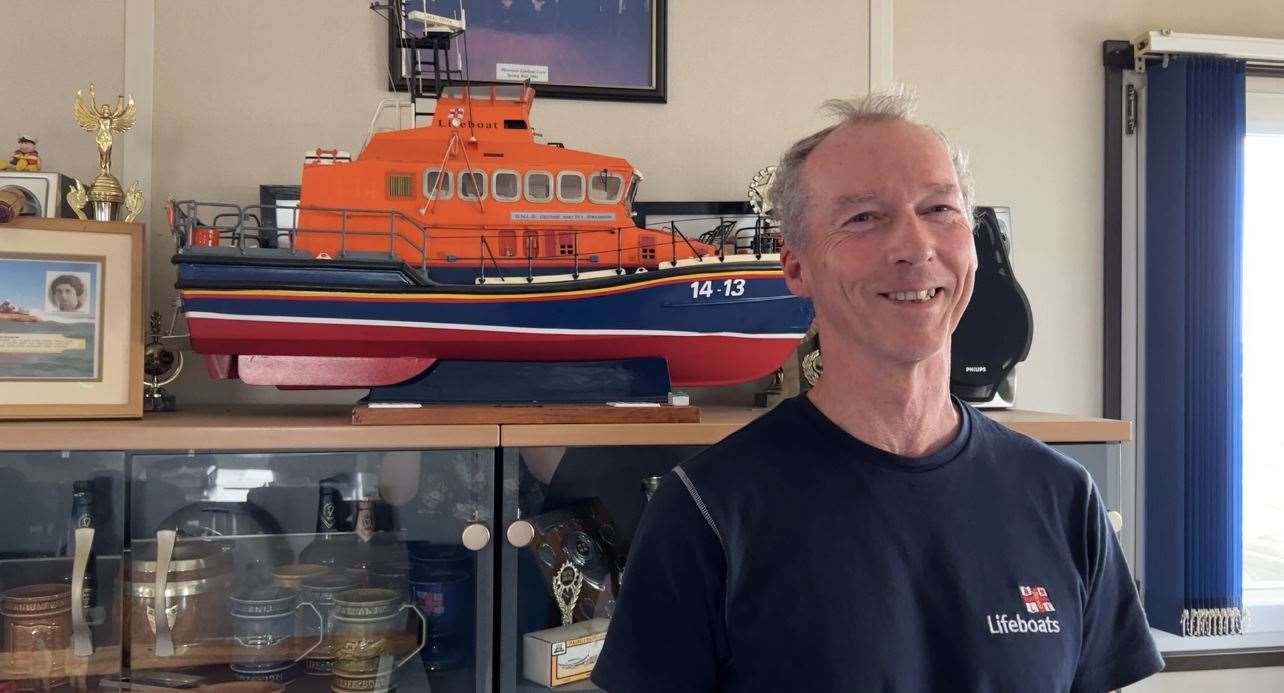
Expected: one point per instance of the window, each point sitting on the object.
(530, 240)
(507, 243)
(1262, 333)
(437, 184)
(570, 186)
(604, 188)
(472, 185)
(539, 186)
(566, 243)
(506, 186)
(401, 186)
(647, 246)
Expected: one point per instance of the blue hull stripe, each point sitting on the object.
(766, 308)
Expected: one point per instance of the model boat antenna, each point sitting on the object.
(425, 54)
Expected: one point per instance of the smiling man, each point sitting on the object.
(877, 534)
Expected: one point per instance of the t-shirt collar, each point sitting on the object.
(841, 439)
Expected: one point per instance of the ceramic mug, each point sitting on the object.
(263, 621)
(365, 623)
(37, 630)
(321, 590)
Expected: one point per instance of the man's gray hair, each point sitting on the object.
(789, 197)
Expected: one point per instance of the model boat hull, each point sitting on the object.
(713, 323)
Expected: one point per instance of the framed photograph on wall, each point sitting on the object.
(71, 319)
(580, 49)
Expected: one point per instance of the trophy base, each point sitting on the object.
(159, 401)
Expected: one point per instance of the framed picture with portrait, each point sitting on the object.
(71, 319)
(580, 49)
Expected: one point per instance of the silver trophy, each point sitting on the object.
(566, 589)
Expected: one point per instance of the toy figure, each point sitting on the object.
(25, 157)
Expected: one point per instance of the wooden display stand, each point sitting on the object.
(456, 414)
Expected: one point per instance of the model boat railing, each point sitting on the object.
(246, 228)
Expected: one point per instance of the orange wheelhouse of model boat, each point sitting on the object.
(475, 188)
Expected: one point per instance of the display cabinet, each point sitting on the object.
(62, 521)
(290, 547)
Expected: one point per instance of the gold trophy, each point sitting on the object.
(105, 195)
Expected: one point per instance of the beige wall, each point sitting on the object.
(1019, 83)
(49, 51)
(1264, 680)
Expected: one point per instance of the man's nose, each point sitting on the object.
(912, 241)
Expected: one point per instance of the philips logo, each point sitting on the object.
(974, 369)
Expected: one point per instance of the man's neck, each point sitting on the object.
(903, 409)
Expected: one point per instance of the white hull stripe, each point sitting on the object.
(485, 328)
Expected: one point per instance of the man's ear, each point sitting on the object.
(795, 277)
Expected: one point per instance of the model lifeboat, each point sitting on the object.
(466, 239)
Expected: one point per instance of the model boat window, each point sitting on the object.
(570, 187)
(604, 188)
(437, 184)
(506, 186)
(472, 185)
(539, 186)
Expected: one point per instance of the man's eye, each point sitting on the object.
(861, 218)
(938, 209)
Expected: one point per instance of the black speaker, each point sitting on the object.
(995, 332)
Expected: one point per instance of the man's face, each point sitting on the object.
(65, 297)
(884, 221)
(26, 147)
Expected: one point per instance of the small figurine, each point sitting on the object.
(25, 157)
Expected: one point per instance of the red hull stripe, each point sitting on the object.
(695, 360)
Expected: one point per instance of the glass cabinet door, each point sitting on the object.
(343, 571)
(569, 516)
(61, 524)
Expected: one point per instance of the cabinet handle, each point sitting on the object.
(82, 641)
(476, 537)
(520, 534)
(164, 550)
(1116, 520)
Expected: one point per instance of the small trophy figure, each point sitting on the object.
(566, 590)
(162, 368)
(105, 194)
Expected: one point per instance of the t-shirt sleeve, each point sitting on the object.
(668, 631)
(1117, 647)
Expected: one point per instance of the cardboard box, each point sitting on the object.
(564, 654)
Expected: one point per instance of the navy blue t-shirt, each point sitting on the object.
(794, 557)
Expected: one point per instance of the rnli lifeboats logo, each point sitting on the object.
(1036, 601)
(456, 116)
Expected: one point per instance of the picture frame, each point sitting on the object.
(572, 49)
(71, 319)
